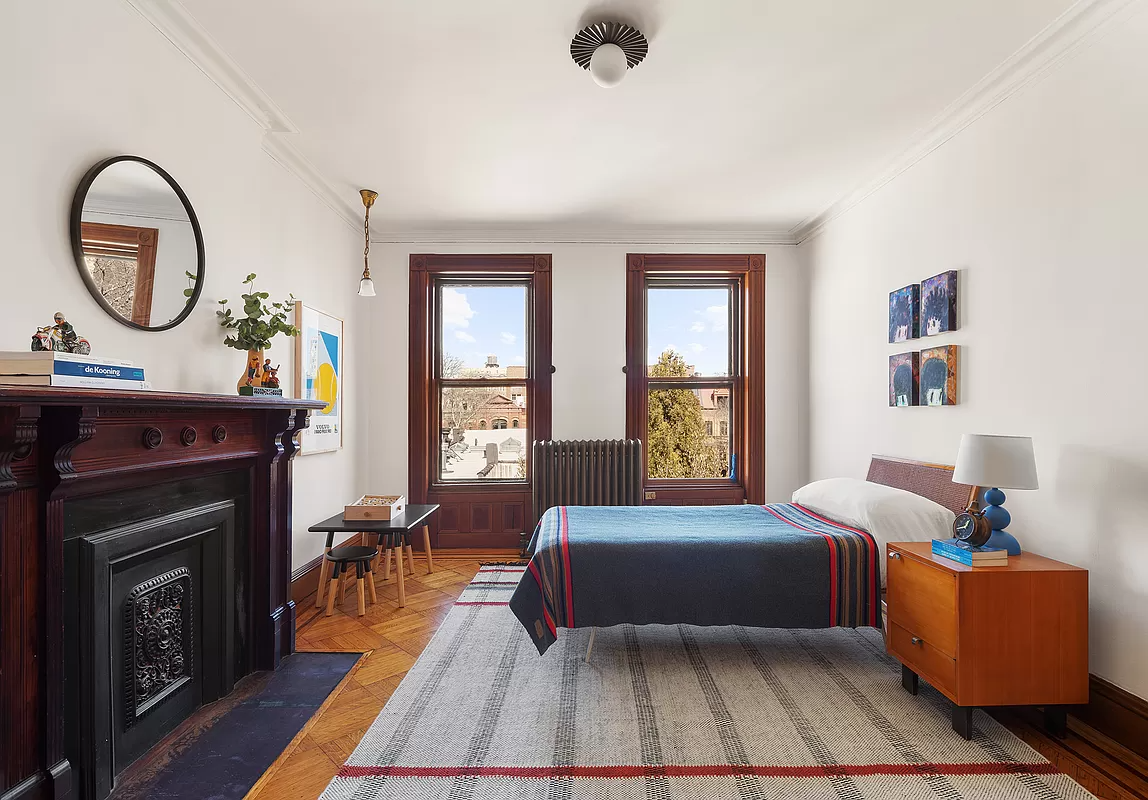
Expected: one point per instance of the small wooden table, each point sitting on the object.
(413, 516)
(989, 636)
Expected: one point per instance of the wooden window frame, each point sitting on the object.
(126, 241)
(747, 411)
(496, 511)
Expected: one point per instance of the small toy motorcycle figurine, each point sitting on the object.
(60, 337)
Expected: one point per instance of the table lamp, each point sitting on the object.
(999, 462)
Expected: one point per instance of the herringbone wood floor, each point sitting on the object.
(396, 636)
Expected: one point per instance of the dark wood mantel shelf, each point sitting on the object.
(66, 458)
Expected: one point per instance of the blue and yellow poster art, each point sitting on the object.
(319, 376)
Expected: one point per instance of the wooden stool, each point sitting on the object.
(343, 558)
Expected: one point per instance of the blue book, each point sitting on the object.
(80, 369)
(956, 550)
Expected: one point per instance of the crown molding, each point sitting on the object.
(179, 27)
(285, 154)
(598, 234)
(1074, 29)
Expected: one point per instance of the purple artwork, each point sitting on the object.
(905, 314)
(939, 304)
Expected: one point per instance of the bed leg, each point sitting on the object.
(590, 645)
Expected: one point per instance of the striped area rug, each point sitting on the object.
(665, 712)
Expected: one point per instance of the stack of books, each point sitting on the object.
(956, 550)
(54, 368)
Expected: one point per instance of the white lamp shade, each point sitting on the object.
(366, 288)
(1002, 462)
(608, 65)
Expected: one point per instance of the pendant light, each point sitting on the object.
(366, 285)
(607, 50)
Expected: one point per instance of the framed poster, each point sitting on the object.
(319, 375)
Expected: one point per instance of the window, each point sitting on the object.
(473, 317)
(479, 391)
(695, 387)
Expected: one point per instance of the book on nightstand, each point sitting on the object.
(956, 550)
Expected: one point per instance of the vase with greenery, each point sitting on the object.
(254, 330)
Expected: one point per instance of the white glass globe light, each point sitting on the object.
(608, 65)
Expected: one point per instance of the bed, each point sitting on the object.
(776, 566)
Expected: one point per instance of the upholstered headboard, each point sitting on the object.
(934, 481)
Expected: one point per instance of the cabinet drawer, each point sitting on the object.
(923, 599)
(919, 655)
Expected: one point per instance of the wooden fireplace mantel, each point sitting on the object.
(58, 446)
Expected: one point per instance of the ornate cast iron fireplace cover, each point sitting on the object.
(158, 642)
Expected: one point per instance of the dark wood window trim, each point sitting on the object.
(473, 515)
(125, 241)
(749, 402)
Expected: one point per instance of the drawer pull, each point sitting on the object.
(917, 640)
(896, 556)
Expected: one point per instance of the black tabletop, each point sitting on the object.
(413, 516)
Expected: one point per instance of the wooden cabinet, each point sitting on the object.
(989, 636)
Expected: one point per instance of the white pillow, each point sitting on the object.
(888, 514)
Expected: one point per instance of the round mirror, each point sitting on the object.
(137, 243)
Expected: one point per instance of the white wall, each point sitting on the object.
(1041, 206)
(589, 287)
(81, 80)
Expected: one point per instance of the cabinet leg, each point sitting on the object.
(963, 720)
(1056, 721)
(909, 680)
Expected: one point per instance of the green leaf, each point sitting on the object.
(250, 277)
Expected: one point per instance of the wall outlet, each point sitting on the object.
(651, 495)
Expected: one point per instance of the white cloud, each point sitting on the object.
(698, 327)
(507, 338)
(519, 359)
(697, 348)
(718, 317)
(456, 310)
(463, 336)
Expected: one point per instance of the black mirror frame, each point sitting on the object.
(76, 218)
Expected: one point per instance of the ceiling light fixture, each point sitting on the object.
(366, 285)
(608, 49)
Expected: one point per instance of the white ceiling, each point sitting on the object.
(751, 114)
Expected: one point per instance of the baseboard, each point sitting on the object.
(1119, 715)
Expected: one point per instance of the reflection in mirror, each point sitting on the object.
(139, 248)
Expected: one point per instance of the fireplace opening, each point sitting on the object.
(153, 627)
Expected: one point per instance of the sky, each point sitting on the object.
(491, 320)
(485, 320)
(693, 322)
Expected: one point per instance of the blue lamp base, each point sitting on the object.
(999, 518)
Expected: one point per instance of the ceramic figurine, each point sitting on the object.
(60, 337)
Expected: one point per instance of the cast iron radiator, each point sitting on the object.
(603, 472)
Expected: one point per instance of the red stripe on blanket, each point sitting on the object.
(872, 561)
(701, 771)
(832, 543)
(542, 592)
(564, 532)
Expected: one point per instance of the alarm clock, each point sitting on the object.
(972, 528)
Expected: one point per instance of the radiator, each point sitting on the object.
(604, 472)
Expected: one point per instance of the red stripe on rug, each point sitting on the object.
(564, 532)
(701, 771)
(872, 561)
(478, 603)
(832, 544)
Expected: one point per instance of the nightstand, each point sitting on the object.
(989, 636)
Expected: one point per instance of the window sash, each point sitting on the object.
(451, 282)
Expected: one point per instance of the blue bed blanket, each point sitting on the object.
(774, 566)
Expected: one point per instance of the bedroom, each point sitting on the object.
(802, 161)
